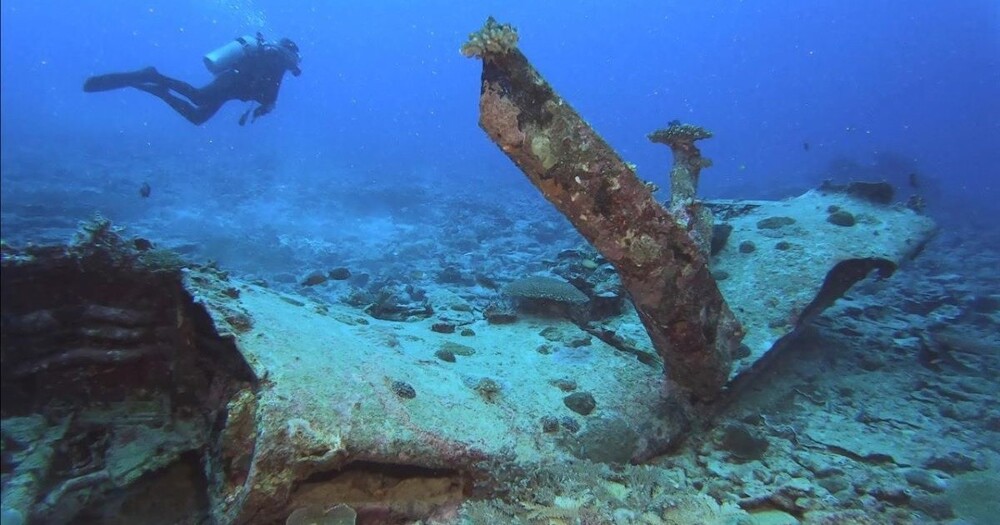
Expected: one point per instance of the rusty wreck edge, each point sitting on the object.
(662, 268)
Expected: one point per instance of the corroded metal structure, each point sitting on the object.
(684, 174)
(663, 268)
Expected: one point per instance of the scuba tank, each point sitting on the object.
(230, 54)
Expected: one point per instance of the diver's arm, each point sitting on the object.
(268, 98)
(262, 110)
(271, 82)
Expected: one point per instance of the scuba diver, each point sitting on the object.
(248, 69)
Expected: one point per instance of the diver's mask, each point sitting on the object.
(292, 52)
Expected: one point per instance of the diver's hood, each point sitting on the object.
(291, 51)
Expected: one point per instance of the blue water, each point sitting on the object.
(386, 93)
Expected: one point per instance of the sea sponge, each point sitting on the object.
(678, 134)
(550, 288)
(488, 388)
(493, 38)
(541, 147)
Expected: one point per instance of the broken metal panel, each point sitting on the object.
(255, 403)
(786, 261)
(663, 269)
(111, 386)
(317, 407)
(346, 396)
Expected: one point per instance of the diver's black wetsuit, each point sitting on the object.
(256, 77)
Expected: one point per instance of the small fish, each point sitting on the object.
(914, 181)
(145, 190)
(805, 146)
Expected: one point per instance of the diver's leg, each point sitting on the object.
(222, 88)
(120, 80)
(203, 112)
(148, 77)
(181, 87)
(196, 114)
(212, 95)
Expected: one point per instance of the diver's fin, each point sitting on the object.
(120, 80)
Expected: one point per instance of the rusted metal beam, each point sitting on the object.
(660, 265)
(685, 171)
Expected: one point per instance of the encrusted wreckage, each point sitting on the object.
(135, 386)
(662, 267)
(664, 255)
